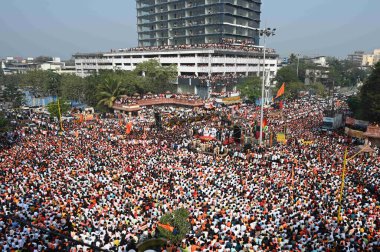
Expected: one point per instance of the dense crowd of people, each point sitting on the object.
(108, 189)
(136, 99)
(228, 45)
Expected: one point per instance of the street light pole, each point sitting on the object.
(265, 33)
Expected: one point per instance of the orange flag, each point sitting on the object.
(166, 226)
(128, 128)
(281, 91)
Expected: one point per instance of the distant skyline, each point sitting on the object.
(62, 28)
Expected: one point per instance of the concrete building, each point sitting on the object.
(316, 75)
(210, 41)
(54, 65)
(320, 61)
(14, 65)
(174, 22)
(371, 59)
(191, 61)
(356, 57)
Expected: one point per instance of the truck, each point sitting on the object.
(332, 122)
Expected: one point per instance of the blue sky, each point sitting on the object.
(62, 28)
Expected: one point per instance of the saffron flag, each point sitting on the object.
(281, 91)
(166, 226)
(265, 122)
(128, 128)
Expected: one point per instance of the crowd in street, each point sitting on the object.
(108, 189)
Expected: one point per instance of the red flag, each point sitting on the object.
(265, 122)
(281, 91)
(281, 104)
(166, 226)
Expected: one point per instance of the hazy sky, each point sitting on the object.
(62, 28)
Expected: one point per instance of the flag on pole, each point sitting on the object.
(281, 91)
(128, 128)
(166, 227)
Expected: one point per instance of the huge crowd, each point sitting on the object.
(108, 189)
(225, 44)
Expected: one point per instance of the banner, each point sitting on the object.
(306, 142)
(281, 138)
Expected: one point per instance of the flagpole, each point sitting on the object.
(265, 33)
(342, 186)
(342, 183)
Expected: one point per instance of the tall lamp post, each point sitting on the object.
(267, 32)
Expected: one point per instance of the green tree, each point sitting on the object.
(4, 124)
(287, 74)
(345, 72)
(157, 78)
(53, 84)
(12, 92)
(178, 219)
(250, 88)
(318, 88)
(53, 109)
(292, 89)
(37, 81)
(73, 87)
(370, 96)
(109, 91)
(293, 59)
(354, 104)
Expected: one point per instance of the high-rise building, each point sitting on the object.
(180, 22)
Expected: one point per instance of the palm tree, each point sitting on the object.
(109, 91)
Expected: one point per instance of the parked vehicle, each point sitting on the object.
(332, 122)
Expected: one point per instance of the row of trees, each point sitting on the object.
(341, 72)
(106, 86)
(366, 104)
(251, 88)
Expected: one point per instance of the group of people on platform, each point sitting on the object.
(108, 189)
(227, 44)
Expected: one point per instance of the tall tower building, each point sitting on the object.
(180, 22)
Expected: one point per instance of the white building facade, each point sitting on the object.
(196, 62)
